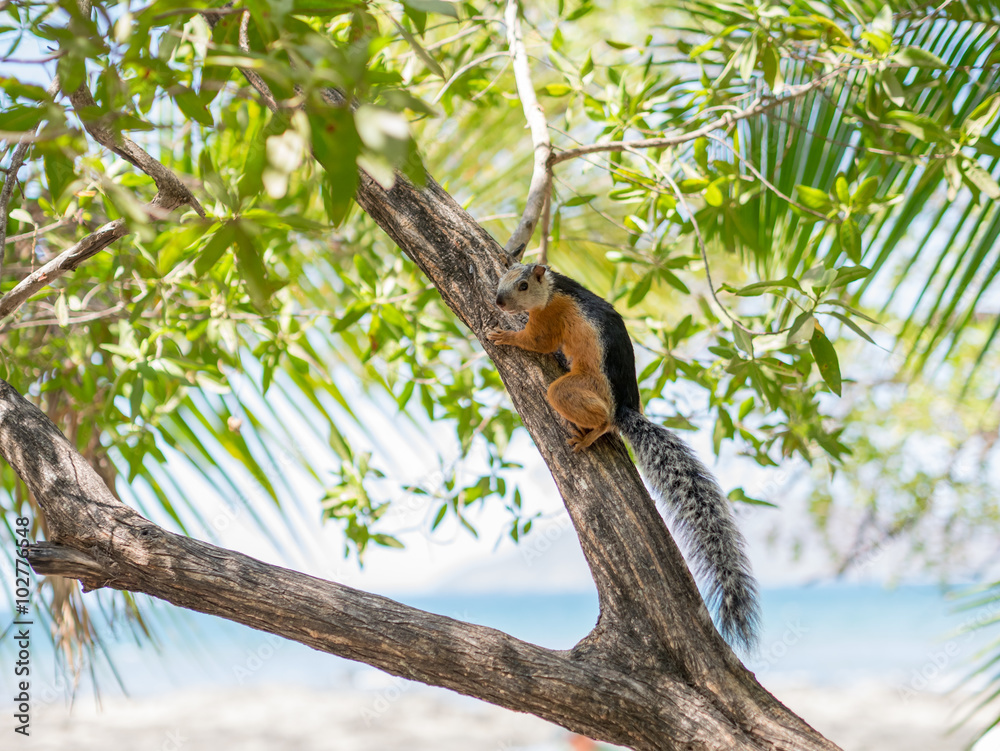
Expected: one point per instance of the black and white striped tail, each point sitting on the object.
(701, 516)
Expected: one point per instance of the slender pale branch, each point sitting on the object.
(465, 69)
(725, 121)
(541, 174)
(16, 160)
(543, 248)
(35, 232)
(704, 257)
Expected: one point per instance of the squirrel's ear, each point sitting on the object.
(515, 257)
(539, 272)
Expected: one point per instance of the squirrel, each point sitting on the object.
(600, 394)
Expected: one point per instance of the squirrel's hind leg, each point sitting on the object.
(578, 399)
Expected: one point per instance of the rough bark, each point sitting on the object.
(653, 674)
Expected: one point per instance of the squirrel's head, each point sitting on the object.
(524, 288)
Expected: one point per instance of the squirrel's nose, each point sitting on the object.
(500, 301)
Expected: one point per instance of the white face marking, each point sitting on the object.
(520, 289)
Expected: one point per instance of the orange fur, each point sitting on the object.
(582, 396)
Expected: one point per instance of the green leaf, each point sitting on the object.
(980, 178)
(214, 248)
(865, 193)
(743, 340)
(802, 328)
(826, 360)
(439, 516)
(851, 325)
(772, 70)
(387, 541)
(323, 7)
(19, 118)
(135, 398)
(981, 117)
(252, 268)
(713, 193)
(840, 186)
(848, 308)
(814, 199)
(893, 89)
(432, 6)
(555, 89)
(738, 494)
(191, 105)
(850, 239)
(917, 57)
(336, 145)
(759, 288)
(918, 125)
(640, 290)
(848, 274)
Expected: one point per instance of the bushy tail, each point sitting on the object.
(701, 516)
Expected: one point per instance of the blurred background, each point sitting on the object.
(279, 379)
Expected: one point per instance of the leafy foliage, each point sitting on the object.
(847, 196)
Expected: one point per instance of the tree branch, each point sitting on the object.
(730, 118)
(171, 193)
(86, 248)
(541, 174)
(170, 189)
(103, 543)
(68, 260)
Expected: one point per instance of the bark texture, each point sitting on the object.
(653, 674)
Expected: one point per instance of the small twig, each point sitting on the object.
(756, 173)
(16, 160)
(541, 176)
(491, 84)
(255, 80)
(464, 69)
(66, 261)
(704, 258)
(727, 120)
(36, 232)
(543, 250)
(931, 15)
(72, 257)
(120, 308)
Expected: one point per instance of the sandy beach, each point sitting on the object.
(406, 716)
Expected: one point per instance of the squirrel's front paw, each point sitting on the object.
(499, 336)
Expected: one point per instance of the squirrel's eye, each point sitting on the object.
(523, 286)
